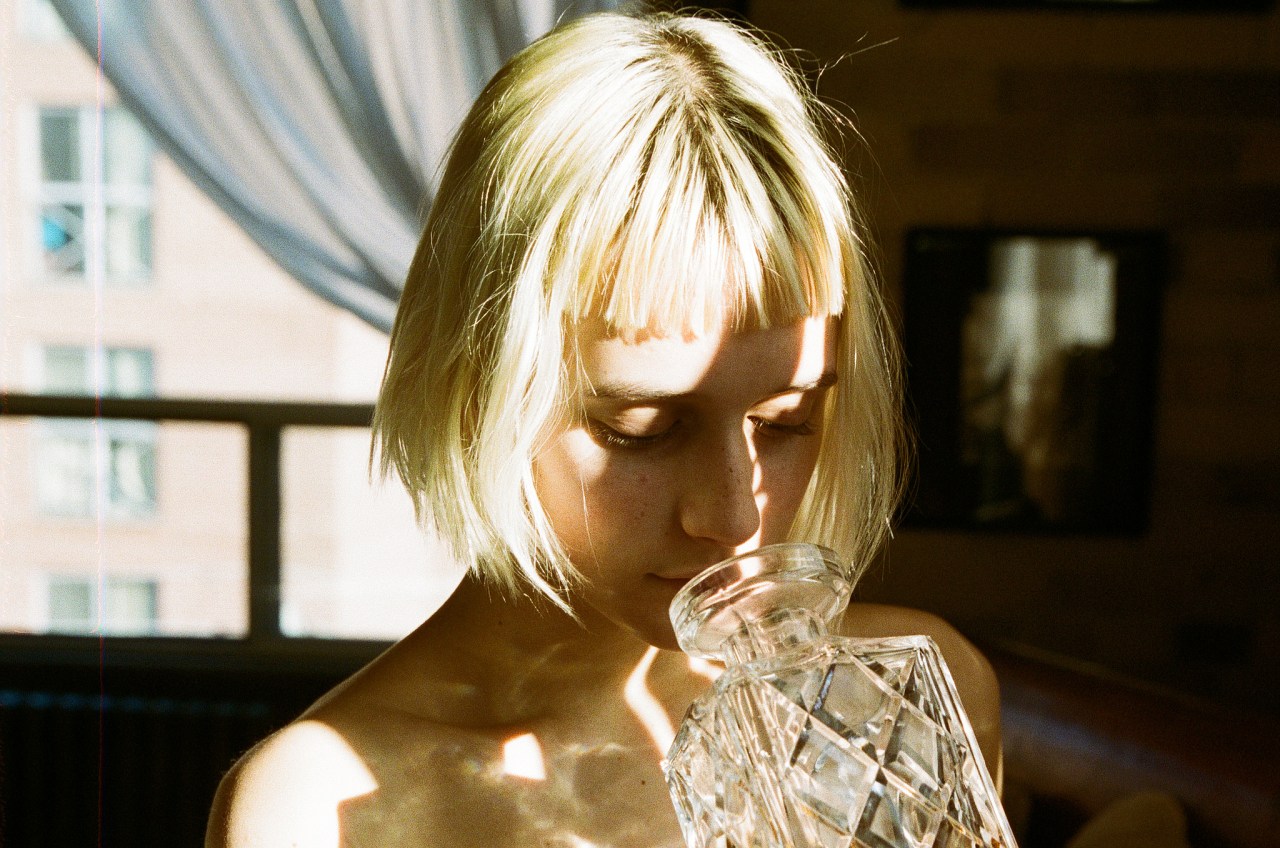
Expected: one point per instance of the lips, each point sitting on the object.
(686, 575)
(683, 578)
(689, 572)
(671, 581)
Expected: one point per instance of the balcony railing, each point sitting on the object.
(264, 644)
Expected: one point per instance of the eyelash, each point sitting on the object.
(804, 428)
(612, 438)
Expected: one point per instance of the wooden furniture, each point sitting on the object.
(1077, 739)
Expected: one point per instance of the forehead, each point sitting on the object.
(724, 360)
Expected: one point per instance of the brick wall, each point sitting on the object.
(1108, 120)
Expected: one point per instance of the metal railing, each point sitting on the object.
(264, 422)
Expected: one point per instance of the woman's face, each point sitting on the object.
(687, 450)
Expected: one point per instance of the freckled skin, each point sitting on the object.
(726, 452)
(685, 451)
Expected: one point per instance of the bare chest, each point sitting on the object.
(518, 790)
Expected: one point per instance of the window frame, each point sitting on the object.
(92, 193)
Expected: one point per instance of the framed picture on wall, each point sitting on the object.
(1031, 377)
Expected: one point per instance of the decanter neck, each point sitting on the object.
(760, 602)
(780, 630)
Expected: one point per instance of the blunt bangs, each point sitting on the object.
(709, 239)
(705, 206)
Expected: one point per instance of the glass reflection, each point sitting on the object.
(1036, 345)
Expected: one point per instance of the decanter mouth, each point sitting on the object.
(749, 587)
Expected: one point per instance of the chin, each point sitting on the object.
(657, 632)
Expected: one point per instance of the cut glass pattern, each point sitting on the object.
(810, 739)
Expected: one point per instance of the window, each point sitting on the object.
(127, 281)
(69, 466)
(75, 370)
(76, 175)
(69, 463)
(126, 606)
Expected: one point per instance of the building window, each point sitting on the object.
(74, 455)
(77, 174)
(116, 606)
(77, 370)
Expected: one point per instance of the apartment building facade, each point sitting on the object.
(119, 278)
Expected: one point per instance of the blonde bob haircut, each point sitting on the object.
(664, 174)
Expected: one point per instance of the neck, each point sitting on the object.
(504, 661)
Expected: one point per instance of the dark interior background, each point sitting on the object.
(1097, 119)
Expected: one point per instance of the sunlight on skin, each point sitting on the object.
(578, 842)
(762, 501)
(323, 768)
(813, 357)
(522, 757)
(813, 350)
(645, 706)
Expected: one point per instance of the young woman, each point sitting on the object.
(639, 336)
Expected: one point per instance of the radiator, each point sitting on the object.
(87, 771)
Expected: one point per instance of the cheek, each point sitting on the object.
(785, 478)
(586, 494)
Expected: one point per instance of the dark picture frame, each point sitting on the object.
(1031, 377)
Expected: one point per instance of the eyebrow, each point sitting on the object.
(632, 393)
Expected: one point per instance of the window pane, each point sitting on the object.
(192, 548)
(66, 370)
(64, 471)
(128, 243)
(69, 370)
(60, 145)
(127, 149)
(130, 372)
(132, 472)
(71, 607)
(355, 564)
(129, 608)
(62, 238)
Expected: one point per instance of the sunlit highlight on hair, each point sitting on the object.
(667, 175)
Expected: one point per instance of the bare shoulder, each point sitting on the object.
(975, 679)
(288, 789)
(970, 668)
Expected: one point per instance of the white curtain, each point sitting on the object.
(318, 125)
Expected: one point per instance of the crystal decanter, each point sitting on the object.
(810, 739)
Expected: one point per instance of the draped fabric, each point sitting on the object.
(318, 125)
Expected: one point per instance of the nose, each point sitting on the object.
(719, 502)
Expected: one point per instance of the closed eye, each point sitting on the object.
(779, 428)
(610, 437)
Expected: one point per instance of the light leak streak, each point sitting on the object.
(96, 232)
(94, 246)
(522, 757)
(653, 717)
